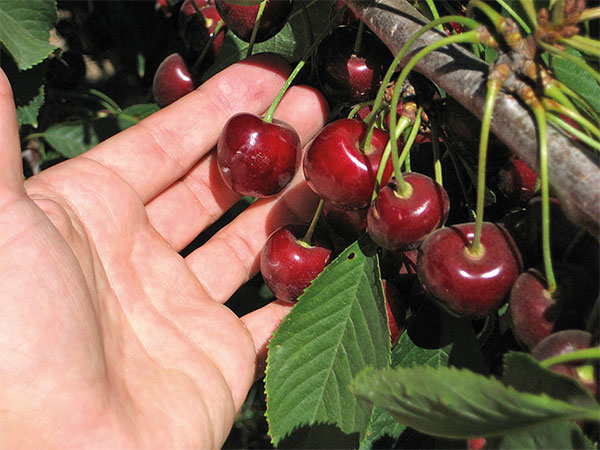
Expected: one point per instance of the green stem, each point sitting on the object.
(358, 107)
(493, 88)
(578, 355)
(540, 116)
(107, 102)
(435, 143)
(583, 44)
(434, 12)
(490, 12)
(571, 58)
(309, 51)
(411, 139)
(529, 8)
(198, 62)
(583, 103)
(515, 16)
(574, 131)
(259, 14)
(461, 182)
(553, 91)
(313, 224)
(359, 35)
(386, 155)
(403, 189)
(590, 14)
(574, 115)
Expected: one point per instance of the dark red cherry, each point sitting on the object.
(197, 28)
(517, 180)
(255, 157)
(289, 265)
(568, 341)
(396, 223)
(347, 224)
(348, 17)
(240, 18)
(172, 80)
(535, 313)
(347, 76)
(463, 284)
(338, 171)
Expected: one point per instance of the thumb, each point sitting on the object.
(11, 165)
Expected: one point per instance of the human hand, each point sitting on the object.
(108, 337)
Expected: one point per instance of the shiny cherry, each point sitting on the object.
(348, 76)
(338, 171)
(255, 157)
(172, 80)
(517, 180)
(288, 265)
(396, 222)
(197, 27)
(240, 18)
(463, 284)
(535, 313)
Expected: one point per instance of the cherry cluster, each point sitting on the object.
(469, 268)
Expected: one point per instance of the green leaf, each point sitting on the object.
(337, 328)
(72, 138)
(578, 80)
(553, 435)
(25, 30)
(525, 374)
(382, 424)
(28, 89)
(458, 403)
(133, 114)
(290, 42)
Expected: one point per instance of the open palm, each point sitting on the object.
(108, 337)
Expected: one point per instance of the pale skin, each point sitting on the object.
(108, 337)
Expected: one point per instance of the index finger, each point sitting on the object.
(153, 154)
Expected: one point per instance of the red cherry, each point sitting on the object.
(517, 180)
(172, 80)
(288, 265)
(350, 225)
(463, 284)
(256, 157)
(568, 341)
(396, 223)
(196, 30)
(337, 170)
(395, 310)
(348, 76)
(476, 443)
(240, 18)
(535, 313)
(348, 17)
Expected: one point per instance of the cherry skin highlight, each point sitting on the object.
(255, 157)
(463, 284)
(240, 18)
(348, 76)
(338, 171)
(288, 265)
(397, 223)
(172, 80)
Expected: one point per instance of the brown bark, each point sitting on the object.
(574, 174)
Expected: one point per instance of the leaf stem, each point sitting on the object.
(577, 355)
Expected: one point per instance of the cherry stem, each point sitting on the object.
(590, 14)
(490, 12)
(574, 131)
(529, 8)
(493, 88)
(583, 103)
(514, 15)
(397, 127)
(461, 182)
(584, 44)
(313, 223)
(196, 66)
(307, 54)
(410, 140)
(578, 355)
(470, 23)
(434, 12)
(582, 121)
(359, 35)
(553, 91)
(358, 107)
(540, 116)
(259, 14)
(437, 162)
(402, 124)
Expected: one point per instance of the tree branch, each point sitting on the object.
(574, 173)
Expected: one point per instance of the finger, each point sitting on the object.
(182, 211)
(231, 256)
(11, 165)
(261, 324)
(159, 150)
